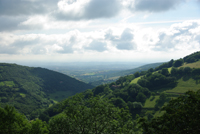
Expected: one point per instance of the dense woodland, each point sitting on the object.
(28, 89)
(117, 107)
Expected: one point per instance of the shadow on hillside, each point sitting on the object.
(164, 87)
(186, 78)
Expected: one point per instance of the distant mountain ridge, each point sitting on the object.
(30, 88)
(111, 77)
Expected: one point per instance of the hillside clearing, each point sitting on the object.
(150, 102)
(134, 81)
(192, 65)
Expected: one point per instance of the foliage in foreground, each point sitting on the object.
(182, 116)
(12, 122)
(91, 116)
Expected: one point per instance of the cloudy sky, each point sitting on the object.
(98, 30)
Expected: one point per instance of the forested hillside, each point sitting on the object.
(141, 102)
(28, 88)
(144, 93)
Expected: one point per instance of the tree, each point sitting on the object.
(12, 122)
(141, 98)
(178, 63)
(165, 72)
(187, 70)
(38, 127)
(92, 116)
(150, 70)
(135, 108)
(170, 63)
(137, 74)
(98, 90)
(119, 102)
(161, 100)
(174, 71)
(181, 117)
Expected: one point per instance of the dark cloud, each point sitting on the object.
(126, 45)
(67, 47)
(97, 46)
(102, 9)
(14, 12)
(26, 7)
(165, 42)
(154, 5)
(17, 46)
(109, 36)
(92, 10)
(123, 42)
(22, 43)
(127, 35)
(8, 50)
(10, 23)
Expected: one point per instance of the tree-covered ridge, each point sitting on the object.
(28, 88)
(96, 115)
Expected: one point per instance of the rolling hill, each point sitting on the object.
(30, 88)
(144, 93)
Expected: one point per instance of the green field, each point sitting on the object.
(134, 81)
(150, 103)
(183, 86)
(192, 65)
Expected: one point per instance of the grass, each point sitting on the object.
(192, 65)
(159, 113)
(184, 86)
(151, 103)
(134, 81)
(60, 95)
(169, 69)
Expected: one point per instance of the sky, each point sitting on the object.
(98, 30)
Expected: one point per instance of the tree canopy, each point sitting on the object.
(182, 116)
(92, 116)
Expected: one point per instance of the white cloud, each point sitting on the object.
(180, 36)
(116, 42)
